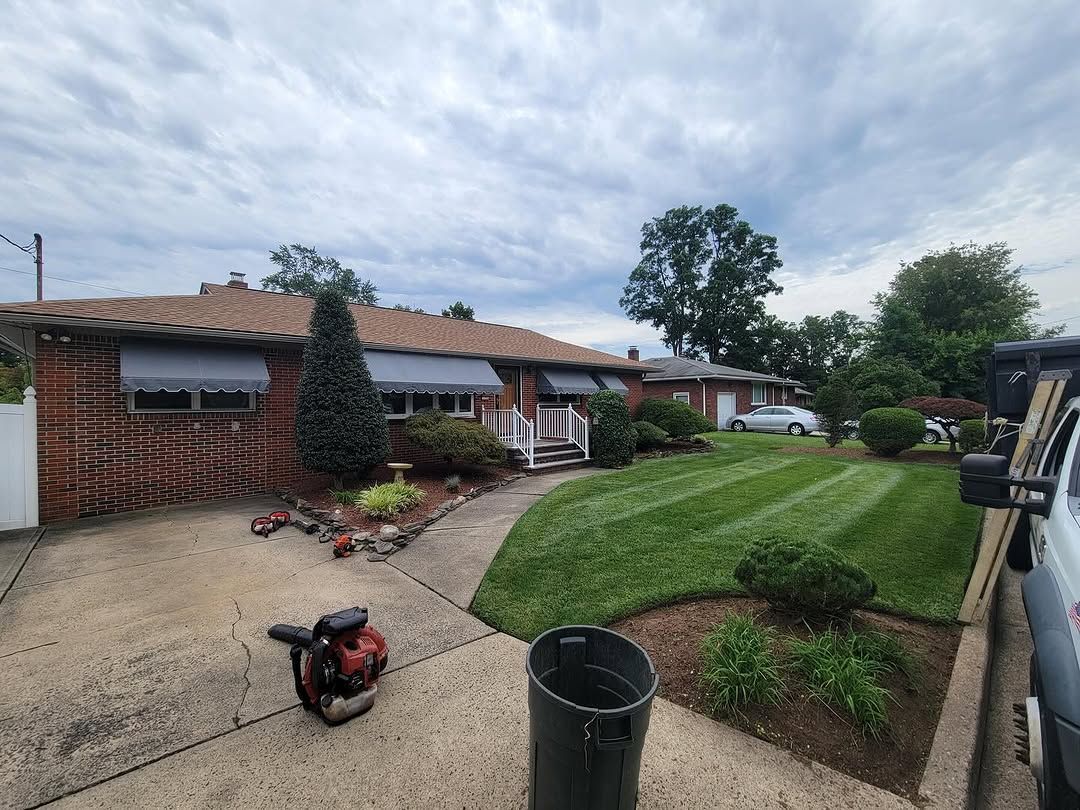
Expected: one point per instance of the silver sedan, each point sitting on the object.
(775, 419)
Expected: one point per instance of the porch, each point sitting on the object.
(558, 437)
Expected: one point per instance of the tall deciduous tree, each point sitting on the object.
(304, 272)
(738, 277)
(663, 288)
(942, 313)
(340, 424)
(461, 311)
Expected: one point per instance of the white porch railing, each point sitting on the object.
(563, 423)
(513, 429)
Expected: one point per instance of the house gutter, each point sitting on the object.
(20, 319)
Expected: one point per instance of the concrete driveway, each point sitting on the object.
(135, 671)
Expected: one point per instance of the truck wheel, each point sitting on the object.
(1054, 790)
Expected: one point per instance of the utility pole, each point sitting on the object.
(38, 263)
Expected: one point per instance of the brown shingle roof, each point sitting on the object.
(256, 312)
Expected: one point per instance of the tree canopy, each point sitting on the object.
(407, 308)
(304, 272)
(460, 311)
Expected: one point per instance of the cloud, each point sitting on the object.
(507, 155)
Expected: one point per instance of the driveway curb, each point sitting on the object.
(951, 777)
(7, 577)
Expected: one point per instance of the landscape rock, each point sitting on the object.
(412, 528)
(389, 532)
(306, 526)
(459, 500)
(376, 557)
(301, 504)
(446, 506)
(383, 547)
(361, 537)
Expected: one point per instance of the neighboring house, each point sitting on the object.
(803, 398)
(169, 399)
(714, 390)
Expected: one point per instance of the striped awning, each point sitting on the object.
(411, 373)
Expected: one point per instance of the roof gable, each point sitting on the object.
(675, 368)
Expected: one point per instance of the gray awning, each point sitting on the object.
(406, 372)
(611, 382)
(564, 381)
(152, 366)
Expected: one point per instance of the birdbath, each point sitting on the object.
(399, 471)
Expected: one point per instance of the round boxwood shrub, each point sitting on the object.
(972, 436)
(612, 437)
(677, 418)
(649, 435)
(888, 431)
(803, 576)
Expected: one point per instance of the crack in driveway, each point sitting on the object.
(247, 669)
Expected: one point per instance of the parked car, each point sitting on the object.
(1046, 544)
(775, 419)
(934, 432)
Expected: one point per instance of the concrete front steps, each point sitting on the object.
(550, 454)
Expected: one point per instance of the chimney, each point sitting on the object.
(237, 280)
(632, 353)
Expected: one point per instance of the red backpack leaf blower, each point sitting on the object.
(336, 665)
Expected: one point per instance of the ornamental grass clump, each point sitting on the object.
(387, 500)
(452, 483)
(804, 577)
(740, 665)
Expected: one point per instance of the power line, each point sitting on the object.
(72, 281)
(24, 248)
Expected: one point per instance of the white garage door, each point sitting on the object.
(725, 407)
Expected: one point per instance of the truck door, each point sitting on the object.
(1050, 535)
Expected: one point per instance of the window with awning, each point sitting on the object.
(409, 373)
(611, 382)
(163, 377)
(565, 381)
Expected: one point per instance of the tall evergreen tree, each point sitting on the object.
(340, 424)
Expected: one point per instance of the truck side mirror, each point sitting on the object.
(986, 481)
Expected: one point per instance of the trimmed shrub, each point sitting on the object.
(340, 424)
(677, 418)
(387, 500)
(649, 435)
(455, 439)
(740, 665)
(972, 437)
(835, 404)
(612, 437)
(803, 576)
(889, 431)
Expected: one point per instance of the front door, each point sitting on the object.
(510, 377)
(725, 407)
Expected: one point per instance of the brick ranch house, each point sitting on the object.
(717, 391)
(170, 399)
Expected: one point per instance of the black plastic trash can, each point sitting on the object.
(590, 693)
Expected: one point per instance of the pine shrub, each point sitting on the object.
(803, 576)
(889, 431)
(835, 404)
(649, 435)
(612, 437)
(677, 418)
(972, 437)
(452, 439)
(340, 424)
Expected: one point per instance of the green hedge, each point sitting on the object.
(677, 418)
(889, 431)
(612, 438)
(972, 437)
(455, 439)
(649, 435)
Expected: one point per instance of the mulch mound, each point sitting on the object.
(429, 481)
(672, 635)
(908, 456)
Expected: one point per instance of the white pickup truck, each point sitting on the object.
(1047, 545)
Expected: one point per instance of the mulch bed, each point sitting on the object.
(805, 726)
(431, 481)
(908, 456)
(675, 447)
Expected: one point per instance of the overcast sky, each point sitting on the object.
(508, 154)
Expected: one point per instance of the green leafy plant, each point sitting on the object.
(740, 665)
(346, 497)
(452, 483)
(340, 424)
(677, 418)
(455, 439)
(887, 651)
(838, 671)
(803, 576)
(889, 431)
(649, 435)
(612, 438)
(387, 500)
(972, 437)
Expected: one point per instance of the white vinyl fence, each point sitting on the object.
(18, 463)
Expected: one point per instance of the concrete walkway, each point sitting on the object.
(1004, 782)
(452, 556)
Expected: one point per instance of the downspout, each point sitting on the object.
(704, 406)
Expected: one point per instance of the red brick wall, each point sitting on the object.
(663, 389)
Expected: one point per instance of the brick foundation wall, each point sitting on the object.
(664, 389)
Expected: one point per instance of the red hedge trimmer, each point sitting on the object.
(270, 523)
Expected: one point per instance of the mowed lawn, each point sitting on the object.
(603, 547)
